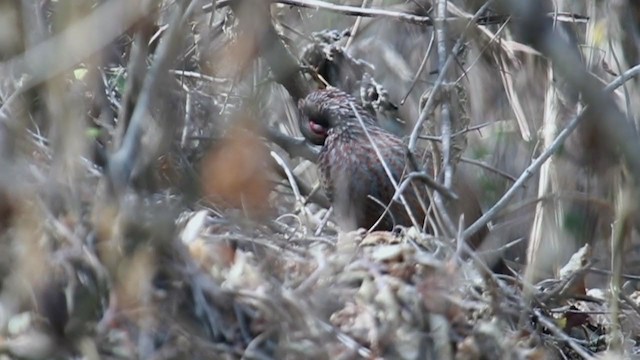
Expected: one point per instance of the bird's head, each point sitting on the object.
(323, 110)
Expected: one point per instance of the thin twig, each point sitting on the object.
(423, 64)
(604, 272)
(445, 112)
(429, 181)
(357, 11)
(630, 302)
(458, 133)
(385, 166)
(551, 326)
(199, 76)
(486, 166)
(356, 25)
(323, 222)
(294, 146)
(292, 181)
(397, 15)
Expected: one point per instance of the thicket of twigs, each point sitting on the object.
(157, 200)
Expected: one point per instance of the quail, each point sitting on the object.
(354, 178)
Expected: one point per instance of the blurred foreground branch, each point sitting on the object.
(256, 19)
(90, 34)
(123, 161)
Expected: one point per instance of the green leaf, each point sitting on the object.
(93, 132)
(80, 73)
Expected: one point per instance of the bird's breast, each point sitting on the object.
(354, 166)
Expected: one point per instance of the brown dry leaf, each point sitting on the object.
(398, 258)
(234, 173)
(635, 296)
(243, 274)
(348, 242)
(389, 253)
(135, 282)
(32, 344)
(30, 250)
(167, 170)
(434, 291)
(468, 349)
(408, 342)
(194, 227)
(380, 237)
(209, 254)
(357, 320)
(574, 318)
(577, 261)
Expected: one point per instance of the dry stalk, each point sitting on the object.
(623, 224)
(548, 217)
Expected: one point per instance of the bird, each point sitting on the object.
(352, 174)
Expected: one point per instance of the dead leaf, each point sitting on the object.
(234, 173)
(380, 237)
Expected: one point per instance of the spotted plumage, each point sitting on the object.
(351, 172)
